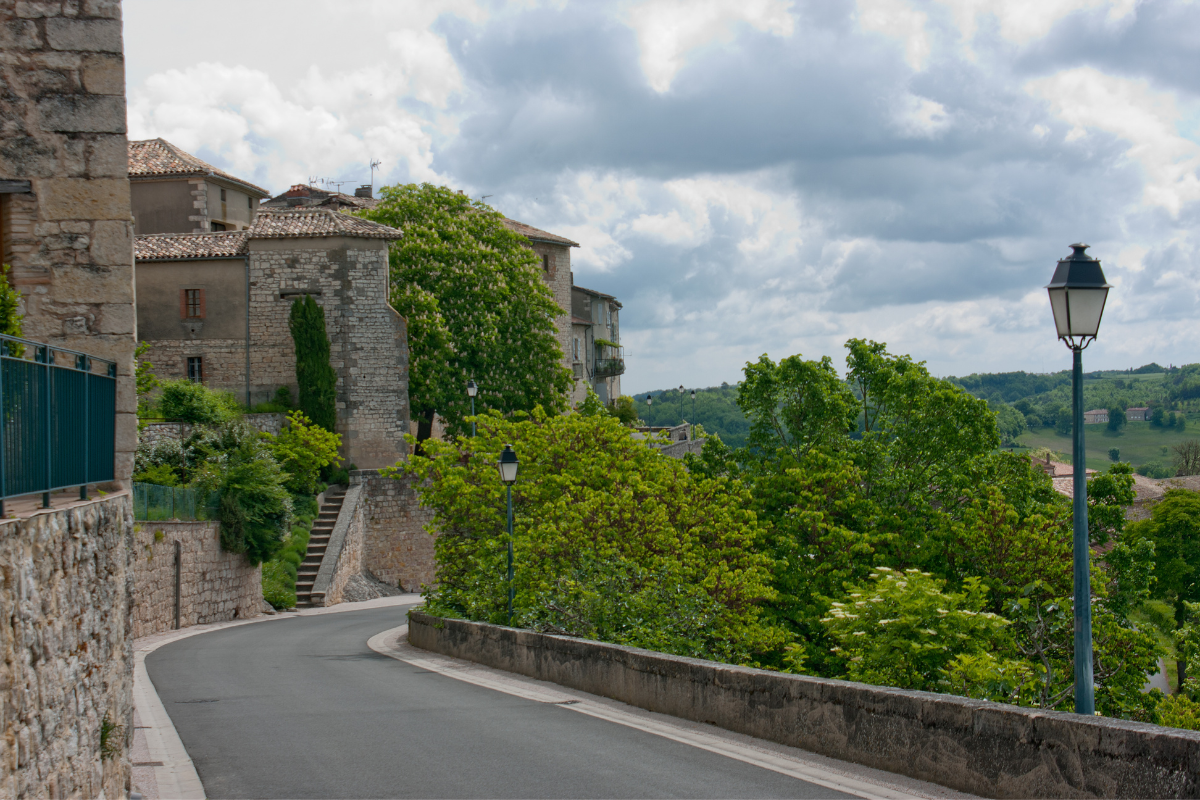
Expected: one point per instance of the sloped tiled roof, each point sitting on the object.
(268, 224)
(536, 235)
(157, 158)
(316, 222)
(303, 196)
(179, 246)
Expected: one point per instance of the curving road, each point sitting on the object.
(302, 708)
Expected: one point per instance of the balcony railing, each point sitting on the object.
(57, 419)
(610, 361)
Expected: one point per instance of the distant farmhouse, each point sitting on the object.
(217, 272)
(1138, 414)
(1095, 416)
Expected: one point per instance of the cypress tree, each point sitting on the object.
(317, 380)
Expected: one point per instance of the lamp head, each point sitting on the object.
(1077, 295)
(508, 465)
(472, 389)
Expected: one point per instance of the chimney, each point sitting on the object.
(363, 191)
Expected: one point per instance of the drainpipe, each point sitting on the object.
(247, 331)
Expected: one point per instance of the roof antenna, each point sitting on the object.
(374, 165)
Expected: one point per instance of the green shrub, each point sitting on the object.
(1155, 469)
(317, 380)
(277, 589)
(256, 509)
(1178, 711)
(158, 474)
(303, 450)
(193, 402)
(11, 320)
(1114, 454)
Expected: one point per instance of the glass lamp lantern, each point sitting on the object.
(472, 389)
(508, 465)
(1078, 292)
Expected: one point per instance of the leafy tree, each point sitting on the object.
(255, 505)
(798, 405)
(1174, 530)
(144, 378)
(1063, 421)
(316, 378)
(11, 319)
(1116, 419)
(612, 540)
(901, 629)
(302, 449)
(1010, 423)
(476, 304)
(195, 403)
(1114, 454)
(1158, 417)
(624, 410)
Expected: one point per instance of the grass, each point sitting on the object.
(1139, 442)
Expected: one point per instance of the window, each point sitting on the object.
(545, 263)
(250, 202)
(222, 195)
(575, 349)
(195, 369)
(191, 303)
(218, 226)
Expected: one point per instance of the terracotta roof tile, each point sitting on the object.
(310, 222)
(152, 158)
(178, 246)
(536, 235)
(268, 224)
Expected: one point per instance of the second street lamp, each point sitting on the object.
(472, 390)
(1078, 292)
(508, 473)
(693, 425)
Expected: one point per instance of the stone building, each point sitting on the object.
(66, 660)
(597, 357)
(301, 195)
(1096, 416)
(214, 307)
(175, 192)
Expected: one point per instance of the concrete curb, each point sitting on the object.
(174, 771)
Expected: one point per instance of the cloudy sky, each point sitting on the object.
(747, 176)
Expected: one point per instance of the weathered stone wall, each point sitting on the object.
(398, 548)
(70, 239)
(343, 555)
(368, 339)
(65, 651)
(989, 749)
(156, 431)
(224, 362)
(215, 586)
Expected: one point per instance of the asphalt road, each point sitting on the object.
(302, 708)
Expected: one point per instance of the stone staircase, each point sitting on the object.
(318, 540)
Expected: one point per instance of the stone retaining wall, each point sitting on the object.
(975, 746)
(152, 432)
(215, 586)
(398, 547)
(66, 656)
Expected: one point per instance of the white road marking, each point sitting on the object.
(389, 643)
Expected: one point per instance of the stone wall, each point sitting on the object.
(398, 548)
(155, 431)
(224, 362)
(368, 339)
(343, 555)
(69, 238)
(989, 749)
(66, 660)
(215, 586)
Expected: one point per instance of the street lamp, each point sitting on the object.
(681, 403)
(692, 428)
(1077, 294)
(508, 473)
(472, 390)
(649, 406)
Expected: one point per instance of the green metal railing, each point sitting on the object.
(57, 419)
(157, 503)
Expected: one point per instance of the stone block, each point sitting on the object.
(116, 318)
(74, 284)
(104, 74)
(96, 35)
(112, 245)
(110, 9)
(77, 198)
(33, 9)
(27, 157)
(108, 157)
(23, 35)
(82, 113)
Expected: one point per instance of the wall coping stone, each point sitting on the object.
(985, 748)
(337, 541)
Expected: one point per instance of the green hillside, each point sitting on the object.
(716, 409)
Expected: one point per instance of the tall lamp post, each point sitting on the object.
(1077, 294)
(472, 390)
(693, 425)
(649, 405)
(508, 473)
(681, 403)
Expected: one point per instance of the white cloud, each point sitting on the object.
(668, 30)
(919, 117)
(1133, 111)
(1025, 21)
(899, 20)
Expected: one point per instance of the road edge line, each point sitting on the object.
(386, 643)
(177, 777)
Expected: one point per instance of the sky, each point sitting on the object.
(745, 176)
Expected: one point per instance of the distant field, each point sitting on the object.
(1139, 442)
